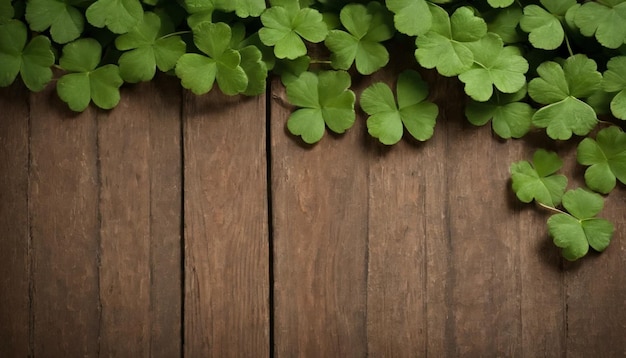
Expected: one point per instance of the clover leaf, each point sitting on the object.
(537, 180)
(605, 19)
(387, 118)
(412, 17)
(494, 66)
(289, 70)
(31, 60)
(444, 45)
(509, 118)
(148, 50)
(576, 231)
(367, 27)
(544, 23)
(202, 10)
(504, 23)
(561, 87)
(284, 27)
(222, 63)
(255, 68)
(86, 81)
(6, 11)
(65, 21)
(324, 100)
(500, 3)
(606, 156)
(615, 81)
(119, 16)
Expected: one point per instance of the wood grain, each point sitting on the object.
(226, 227)
(65, 229)
(140, 231)
(14, 223)
(320, 226)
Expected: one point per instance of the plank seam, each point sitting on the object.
(182, 222)
(29, 251)
(270, 215)
(99, 235)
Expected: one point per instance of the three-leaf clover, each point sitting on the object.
(615, 81)
(605, 19)
(494, 66)
(561, 88)
(606, 156)
(31, 60)
(367, 27)
(198, 72)
(544, 23)
(284, 27)
(119, 16)
(324, 100)
(444, 45)
(509, 117)
(86, 81)
(537, 180)
(65, 21)
(576, 231)
(387, 118)
(147, 49)
(412, 17)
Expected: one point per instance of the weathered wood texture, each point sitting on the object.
(173, 226)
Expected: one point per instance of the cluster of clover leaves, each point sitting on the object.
(548, 64)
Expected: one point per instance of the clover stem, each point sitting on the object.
(551, 208)
(175, 33)
(323, 62)
(569, 47)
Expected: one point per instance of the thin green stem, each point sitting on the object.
(175, 34)
(323, 62)
(551, 208)
(569, 47)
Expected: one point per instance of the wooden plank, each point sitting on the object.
(320, 226)
(64, 222)
(140, 203)
(226, 227)
(14, 225)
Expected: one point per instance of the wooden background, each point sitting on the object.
(177, 225)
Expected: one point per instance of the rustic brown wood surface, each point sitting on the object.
(177, 225)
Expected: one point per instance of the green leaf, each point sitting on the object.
(605, 19)
(412, 17)
(119, 16)
(544, 26)
(537, 180)
(255, 69)
(575, 232)
(562, 88)
(367, 27)
(504, 23)
(500, 3)
(289, 70)
(32, 61)
(494, 66)
(87, 82)
(221, 63)
(6, 11)
(147, 50)
(509, 118)
(615, 81)
(444, 46)
(387, 118)
(285, 27)
(66, 22)
(606, 156)
(324, 99)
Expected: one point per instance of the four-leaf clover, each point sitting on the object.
(387, 118)
(324, 100)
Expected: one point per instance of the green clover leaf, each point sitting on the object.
(606, 156)
(119, 16)
(32, 61)
(324, 100)
(86, 81)
(222, 63)
(367, 27)
(284, 27)
(509, 118)
(605, 19)
(561, 89)
(412, 17)
(65, 21)
(444, 45)
(575, 232)
(6, 11)
(544, 26)
(504, 23)
(494, 66)
(289, 70)
(500, 3)
(255, 68)
(615, 81)
(387, 118)
(147, 49)
(537, 180)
